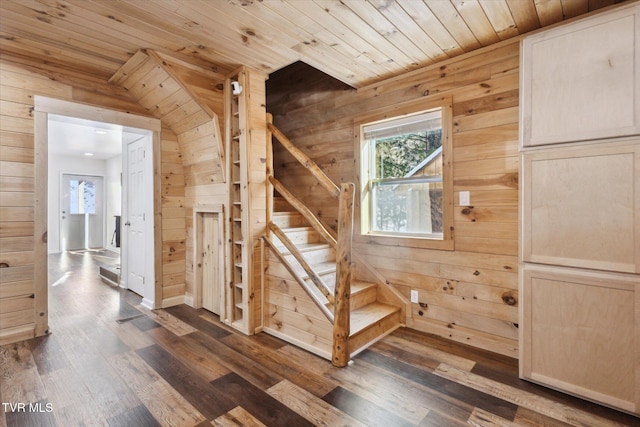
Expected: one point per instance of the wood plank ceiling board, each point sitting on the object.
(525, 15)
(426, 19)
(385, 53)
(572, 8)
(549, 11)
(475, 17)
(399, 18)
(369, 13)
(357, 42)
(333, 33)
(448, 15)
(499, 15)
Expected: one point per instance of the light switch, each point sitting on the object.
(465, 199)
(414, 296)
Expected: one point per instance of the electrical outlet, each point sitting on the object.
(465, 198)
(414, 296)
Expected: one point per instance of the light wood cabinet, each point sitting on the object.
(578, 330)
(581, 81)
(580, 208)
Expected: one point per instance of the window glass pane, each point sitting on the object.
(407, 208)
(82, 197)
(74, 199)
(89, 197)
(405, 174)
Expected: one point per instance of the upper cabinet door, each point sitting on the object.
(581, 81)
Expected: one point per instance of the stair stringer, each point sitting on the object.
(289, 312)
(386, 293)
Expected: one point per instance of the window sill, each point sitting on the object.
(418, 242)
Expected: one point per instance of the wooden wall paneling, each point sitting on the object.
(18, 187)
(484, 87)
(14, 289)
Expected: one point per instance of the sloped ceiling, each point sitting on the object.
(356, 41)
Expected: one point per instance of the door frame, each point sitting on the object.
(198, 212)
(104, 213)
(43, 106)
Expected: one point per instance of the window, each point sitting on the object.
(406, 182)
(82, 197)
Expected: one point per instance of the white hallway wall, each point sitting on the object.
(59, 164)
(113, 198)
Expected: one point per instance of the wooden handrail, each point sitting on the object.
(317, 280)
(304, 210)
(341, 317)
(314, 297)
(305, 160)
(342, 310)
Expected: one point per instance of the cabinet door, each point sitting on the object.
(580, 206)
(578, 333)
(580, 81)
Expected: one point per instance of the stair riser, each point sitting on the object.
(374, 332)
(318, 256)
(289, 220)
(281, 205)
(300, 236)
(362, 298)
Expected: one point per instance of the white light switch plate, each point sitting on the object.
(414, 296)
(465, 199)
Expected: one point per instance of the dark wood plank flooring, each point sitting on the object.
(111, 362)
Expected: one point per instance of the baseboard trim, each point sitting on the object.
(188, 299)
(301, 344)
(170, 302)
(18, 333)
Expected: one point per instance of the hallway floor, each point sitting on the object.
(111, 362)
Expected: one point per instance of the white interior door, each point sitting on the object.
(134, 224)
(210, 262)
(81, 212)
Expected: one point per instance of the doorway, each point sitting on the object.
(209, 289)
(144, 128)
(81, 212)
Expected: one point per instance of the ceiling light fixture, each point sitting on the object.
(100, 132)
(88, 154)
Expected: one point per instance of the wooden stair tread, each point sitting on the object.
(359, 286)
(286, 213)
(304, 247)
(296, 229)
(369, 315)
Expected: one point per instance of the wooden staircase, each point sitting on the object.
(311, 296)
(370, 319)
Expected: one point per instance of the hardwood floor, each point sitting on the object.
(111, 362)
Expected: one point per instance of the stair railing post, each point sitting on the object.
(269, 165)
(342, 324)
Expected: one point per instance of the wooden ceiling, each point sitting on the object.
(356, 41)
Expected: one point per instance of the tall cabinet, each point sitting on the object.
(580, 208)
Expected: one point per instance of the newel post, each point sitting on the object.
(342, 325)
(269, 164)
